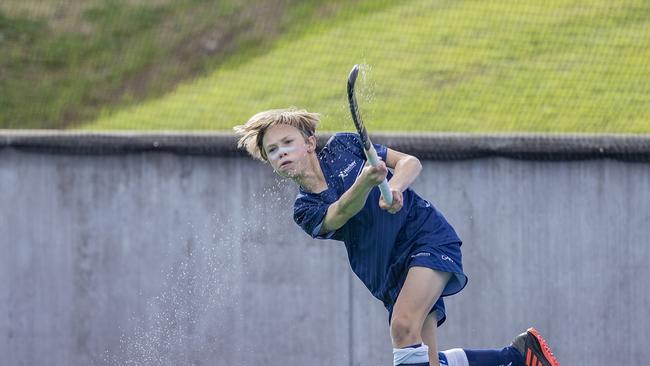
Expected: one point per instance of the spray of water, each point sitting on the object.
(365, 93)
(200, 282)
(365, 85)
(192, 320)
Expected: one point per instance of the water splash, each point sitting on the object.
(365, 93)
(200, 306)
(366, 89)
(201, 282)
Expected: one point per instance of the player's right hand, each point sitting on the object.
(373, 175)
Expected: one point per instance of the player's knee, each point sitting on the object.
(403, 328)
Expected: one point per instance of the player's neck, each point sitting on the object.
(312, 180)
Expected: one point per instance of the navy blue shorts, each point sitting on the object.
(444, 258)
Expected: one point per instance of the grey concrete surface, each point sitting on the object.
(164, 259)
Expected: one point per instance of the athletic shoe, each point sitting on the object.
(534, 348)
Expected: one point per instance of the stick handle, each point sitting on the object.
(371, 154)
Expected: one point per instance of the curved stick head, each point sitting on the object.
(352, 78)
(354, 109)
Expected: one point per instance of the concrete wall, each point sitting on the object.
(165, 259)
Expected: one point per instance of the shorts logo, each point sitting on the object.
(425, 254)
(446, 258)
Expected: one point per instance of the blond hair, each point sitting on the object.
(251, 134)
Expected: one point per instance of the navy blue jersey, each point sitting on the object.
(378, 243)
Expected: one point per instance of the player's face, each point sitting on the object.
(286, 150)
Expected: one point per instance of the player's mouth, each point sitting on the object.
(285, 163)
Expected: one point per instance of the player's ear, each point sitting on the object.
(311, 143)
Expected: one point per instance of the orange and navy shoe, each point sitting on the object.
(534, 348)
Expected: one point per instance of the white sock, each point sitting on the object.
(411, 355)
(456, 357)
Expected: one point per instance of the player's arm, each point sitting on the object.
(353, 200)
(405, 169)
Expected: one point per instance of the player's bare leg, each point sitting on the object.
(422, 288)
(429, 337)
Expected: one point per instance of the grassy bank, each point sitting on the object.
(447, 65)
(62, 63)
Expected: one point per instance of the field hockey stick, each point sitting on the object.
(370, 151)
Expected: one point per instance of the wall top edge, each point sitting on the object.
(429, 146)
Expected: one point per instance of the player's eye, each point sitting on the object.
(271, 149)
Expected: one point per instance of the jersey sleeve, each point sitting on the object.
(382, 151)
(352, 142)
(309, 213)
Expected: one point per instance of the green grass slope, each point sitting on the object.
(63, 62)
(557, 65)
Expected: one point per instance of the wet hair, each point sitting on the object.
(251, 134)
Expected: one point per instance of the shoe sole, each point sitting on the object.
(544, 346)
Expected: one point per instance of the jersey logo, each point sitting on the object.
(344, 173)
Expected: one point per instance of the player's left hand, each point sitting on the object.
(398, 202)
